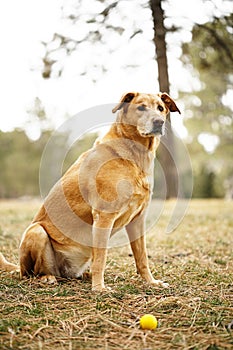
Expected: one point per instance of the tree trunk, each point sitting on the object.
(164, 156)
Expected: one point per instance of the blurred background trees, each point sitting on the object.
(207, 57)
(209, 121)
(20, 161)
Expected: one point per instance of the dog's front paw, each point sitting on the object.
(49, 279)
(101, 289)
(160, 283)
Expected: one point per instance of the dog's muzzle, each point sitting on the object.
(158, 127)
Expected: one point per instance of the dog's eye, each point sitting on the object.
(141, 108)
(160, 108)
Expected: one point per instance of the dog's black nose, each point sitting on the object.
(158, 127)
(158, 123)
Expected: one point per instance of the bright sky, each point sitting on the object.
(24, 24)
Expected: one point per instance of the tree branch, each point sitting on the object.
(218, 40)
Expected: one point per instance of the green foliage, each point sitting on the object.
(210, 55)
(20, 161)
(206, 184)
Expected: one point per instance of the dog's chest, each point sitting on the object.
(138, 202)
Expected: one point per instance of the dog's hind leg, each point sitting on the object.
(37, 254)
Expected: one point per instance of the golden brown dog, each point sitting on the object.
(109, 187)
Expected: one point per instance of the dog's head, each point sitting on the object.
(146, 111)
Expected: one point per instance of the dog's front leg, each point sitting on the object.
(136, 233)
(137, 238)
(102, 227)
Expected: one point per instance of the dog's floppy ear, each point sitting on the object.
(169, 102)
(126, 98)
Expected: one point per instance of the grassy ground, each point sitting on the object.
(196, 312)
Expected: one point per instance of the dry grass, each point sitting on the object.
(194, 313)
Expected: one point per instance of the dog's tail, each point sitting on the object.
(7, 266)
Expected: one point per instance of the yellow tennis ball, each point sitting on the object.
(148, 322)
